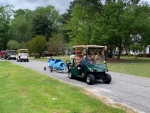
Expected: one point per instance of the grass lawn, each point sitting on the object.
(126, 65)
(26, 91)
(130, 65)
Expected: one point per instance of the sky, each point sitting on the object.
(60, 5)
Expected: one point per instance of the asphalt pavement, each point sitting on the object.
(128, 90)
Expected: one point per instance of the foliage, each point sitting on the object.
(45, 21)
(137, 48)
(112, 24)
(36, 45)
(13, 45)
(26, 23)
(56, 44)
(5, 20)
(21, 25)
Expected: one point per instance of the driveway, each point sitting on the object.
(127, 91)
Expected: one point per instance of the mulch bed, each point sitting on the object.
(116, 60)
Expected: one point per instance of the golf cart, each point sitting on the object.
(11, 54)
(22, 55)
(95, 67)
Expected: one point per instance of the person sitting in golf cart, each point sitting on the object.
(71, 60)
(72, 57)
(83, 64)
(80, 61)
(90, 58)
(77, 58)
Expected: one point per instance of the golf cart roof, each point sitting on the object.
(10, 50)
(89, 46)
(22, 50)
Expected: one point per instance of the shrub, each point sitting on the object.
(147, 55)
(140, 54)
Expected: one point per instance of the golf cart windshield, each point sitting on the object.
(23, 54)
(95, 56)
(12, 52)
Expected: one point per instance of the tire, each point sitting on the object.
(44, 68)
(90, 79)
(51, 69)
(107, 78)
(70, 75)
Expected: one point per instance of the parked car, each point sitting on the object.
(11, 54)
(4, 54)
(46, 54)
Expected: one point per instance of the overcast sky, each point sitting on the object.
(60, 5)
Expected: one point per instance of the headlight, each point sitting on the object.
(106, 70)
(92, 70)
(79, 68)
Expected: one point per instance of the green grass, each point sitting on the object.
(127, 65)
(25, 91)
(130, 65)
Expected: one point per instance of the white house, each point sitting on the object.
(147, 50)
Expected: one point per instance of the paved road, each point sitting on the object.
(131, 91)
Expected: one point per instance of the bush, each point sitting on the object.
(13, 45)
(140, 55)
(147, 55)
(36, 45)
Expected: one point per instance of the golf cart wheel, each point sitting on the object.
(44, 68)
(70, 75)
(107, 78)
(51, 69)
(90, 79)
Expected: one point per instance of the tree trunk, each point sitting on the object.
(119, 53)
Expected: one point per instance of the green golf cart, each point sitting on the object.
(95, 67)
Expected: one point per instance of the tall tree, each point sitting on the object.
(57, 39)
(45, 21)
(21, 25)
(6, 13)
(112, 24)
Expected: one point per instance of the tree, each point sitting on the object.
(45, 21)
(81, 15)
(79, 23)
(21, 25)
(5, 19)
(112, 25)
(13, 45)
(36, 45)
(56, 44)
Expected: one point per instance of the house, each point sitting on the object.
(147, 50)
